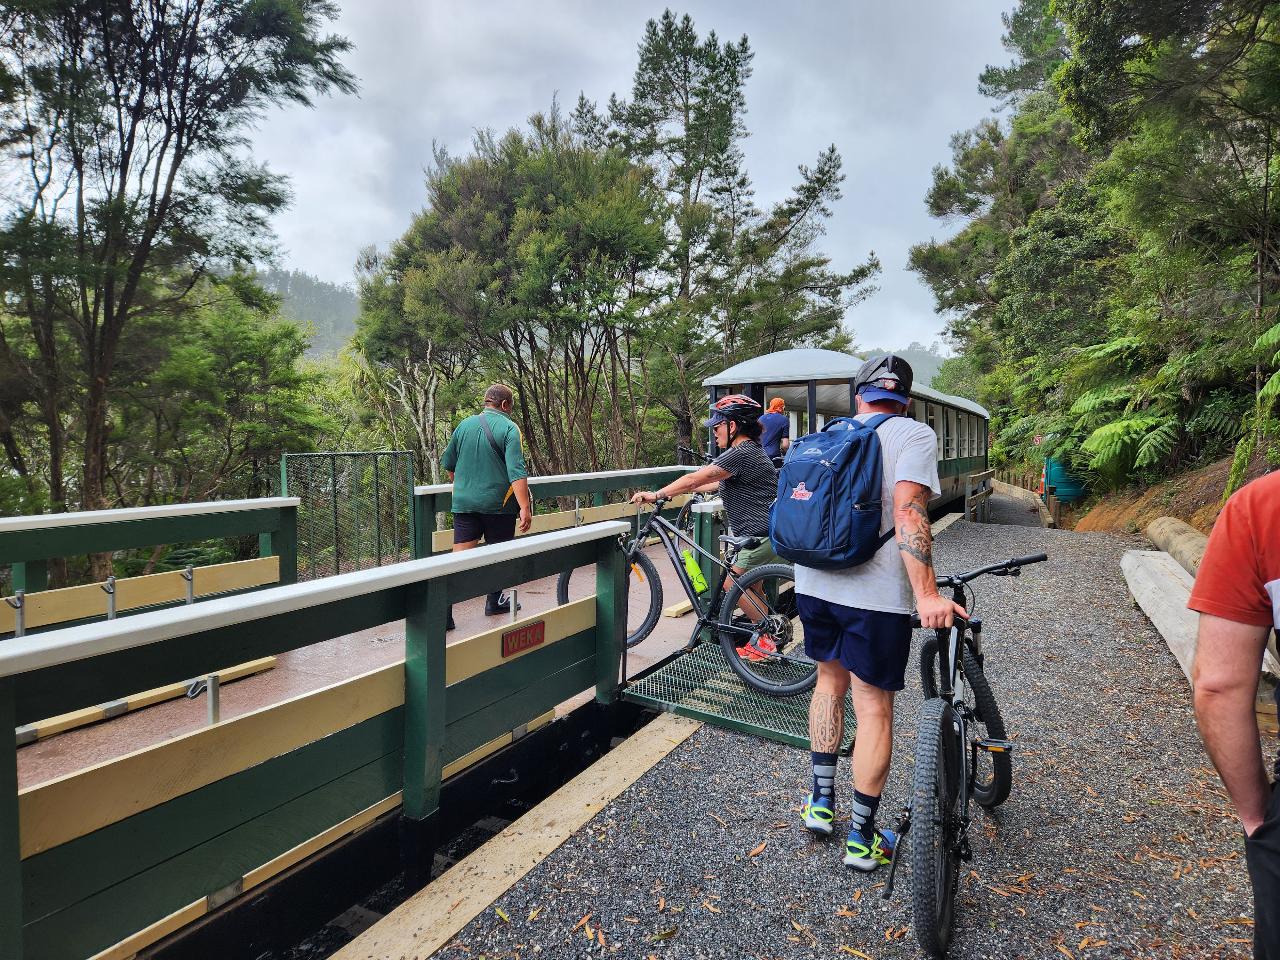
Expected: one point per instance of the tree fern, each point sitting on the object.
(1158, 444)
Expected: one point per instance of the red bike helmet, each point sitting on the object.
(735, 408)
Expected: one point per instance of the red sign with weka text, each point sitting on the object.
(524, 638)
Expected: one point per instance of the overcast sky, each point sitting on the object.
(888, 83)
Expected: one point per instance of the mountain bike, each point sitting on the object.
(754, 619)
(962, 754)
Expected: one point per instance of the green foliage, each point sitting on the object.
(1113, 284)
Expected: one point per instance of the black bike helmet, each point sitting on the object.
(735, 408)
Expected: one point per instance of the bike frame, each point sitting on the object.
(672, 537)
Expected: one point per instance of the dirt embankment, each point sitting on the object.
(1194, 497)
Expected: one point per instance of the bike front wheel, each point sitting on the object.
(935, 825)
(761, 634)
(644, 594)
(993, 778)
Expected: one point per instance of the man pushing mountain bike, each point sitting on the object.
(856, 611)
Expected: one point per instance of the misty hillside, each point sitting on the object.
(327, 310)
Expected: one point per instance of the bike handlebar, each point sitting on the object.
(1000, 569)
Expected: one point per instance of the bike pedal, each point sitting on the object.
(995, 746)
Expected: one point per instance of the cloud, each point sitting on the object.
(886, 83)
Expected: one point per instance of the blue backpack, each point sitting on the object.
(827, 514)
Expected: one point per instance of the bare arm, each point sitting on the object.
(915, 544)
(521, 489)
(703, 479)
(1225, 680)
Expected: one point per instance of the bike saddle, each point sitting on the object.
(742, 543)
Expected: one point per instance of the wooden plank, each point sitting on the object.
(678, 609)
(60, 810)
(31, 732)
(128, 948)
(84, 867)
(432, 917)
(24, 654)
(494, 745)
(465, 734)
(483, 651)
(215, 868)
(502, 683)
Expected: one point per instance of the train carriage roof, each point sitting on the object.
(789, 371)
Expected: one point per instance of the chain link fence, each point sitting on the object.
(356, 509)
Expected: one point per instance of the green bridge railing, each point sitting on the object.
(161, 836)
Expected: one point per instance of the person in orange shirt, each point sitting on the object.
(1237, 594)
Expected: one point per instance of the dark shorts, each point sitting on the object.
(871, 645)
(1262, 852)
(493, 527)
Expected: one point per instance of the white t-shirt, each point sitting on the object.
(910, 452)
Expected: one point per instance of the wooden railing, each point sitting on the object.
(118, 855)
(977, 496)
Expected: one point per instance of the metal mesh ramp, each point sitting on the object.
(701, 685)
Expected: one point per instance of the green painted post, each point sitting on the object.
(424, 524)
(30, 576)
(10, 849)
(424, 716)
(611, 618)
(283, 543)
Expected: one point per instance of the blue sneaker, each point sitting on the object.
(818, 815)
(865, 855)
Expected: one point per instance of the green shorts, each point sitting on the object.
(746, 559)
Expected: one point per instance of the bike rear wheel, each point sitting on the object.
(644, 595)
(935, 825)
(775, 644)
(993, 776)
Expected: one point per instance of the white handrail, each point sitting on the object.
(562, 477)
(45, 521)
(23, 654)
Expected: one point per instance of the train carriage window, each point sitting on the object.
(931, 417)
(949, 437)
(969, 435)
(964, 435)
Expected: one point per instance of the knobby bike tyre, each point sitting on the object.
(790, 672)
(643, 586)
(993, 778)
(935, 824)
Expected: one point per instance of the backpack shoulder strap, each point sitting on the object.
(493, 443)
(879, 418)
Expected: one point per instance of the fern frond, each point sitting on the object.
(1270, 338)
(1157, 444)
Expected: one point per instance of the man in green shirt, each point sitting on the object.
(490, 482)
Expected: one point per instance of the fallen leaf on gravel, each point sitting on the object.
(502, 913)
(856, 953)
(662, 903)
(533, 914)
(709, 906)
(846, 912)
(857, 895)
(600, 936)
(717, 819)
(1089, 943)
(664, 935)
(756, 851)
(630, 919)
(581, 922)
(1065, 952)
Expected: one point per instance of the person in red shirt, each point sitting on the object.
(1237, 594)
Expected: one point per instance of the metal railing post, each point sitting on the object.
(19, 603)
(109, 588)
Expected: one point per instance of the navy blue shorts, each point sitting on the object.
(872, 645)
(493, 527)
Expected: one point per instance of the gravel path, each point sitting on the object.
(1013, 511)
(1116, 841)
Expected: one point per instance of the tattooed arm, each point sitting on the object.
(915, 544)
